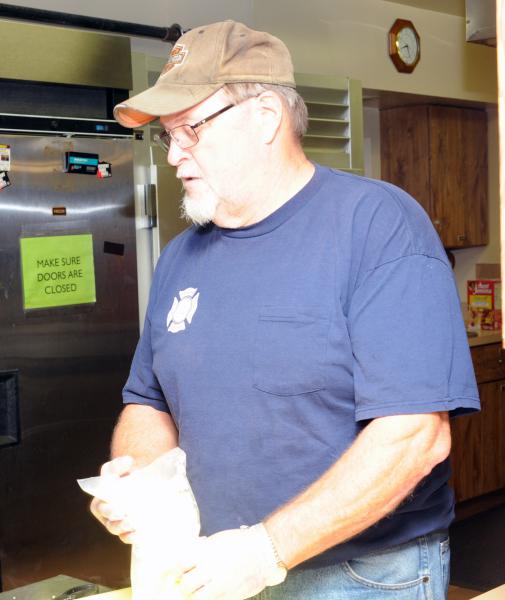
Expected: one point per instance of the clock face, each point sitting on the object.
(404, 45)
(407, 45)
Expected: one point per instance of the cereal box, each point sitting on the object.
(484, 304)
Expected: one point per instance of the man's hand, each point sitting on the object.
(231, 565)
(110, 515)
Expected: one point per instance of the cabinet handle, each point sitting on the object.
(501, 355)
(502, 387)
(461, 238)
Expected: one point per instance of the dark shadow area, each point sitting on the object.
(478, 550)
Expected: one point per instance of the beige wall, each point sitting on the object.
(349, 38)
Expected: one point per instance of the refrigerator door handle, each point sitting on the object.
(150, 210)
(9, 409)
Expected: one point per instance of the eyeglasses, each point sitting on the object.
(185, 135)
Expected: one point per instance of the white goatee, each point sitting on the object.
(199, 211)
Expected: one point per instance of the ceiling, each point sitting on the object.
(451, 7)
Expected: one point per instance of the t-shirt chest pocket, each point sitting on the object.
(290, 350)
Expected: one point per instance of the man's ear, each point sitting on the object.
(270, 114)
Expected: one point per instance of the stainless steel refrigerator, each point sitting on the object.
(63, 359)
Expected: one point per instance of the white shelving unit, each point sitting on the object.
(335, 133)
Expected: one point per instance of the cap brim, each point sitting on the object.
(161, 100)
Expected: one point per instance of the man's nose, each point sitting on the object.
(176, 154)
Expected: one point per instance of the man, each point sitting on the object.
(303, 344)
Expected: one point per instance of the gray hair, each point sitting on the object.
(297, 111)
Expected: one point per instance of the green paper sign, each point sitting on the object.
(58, 270)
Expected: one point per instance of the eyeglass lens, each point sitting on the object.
(185, 135)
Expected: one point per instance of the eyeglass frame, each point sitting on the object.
(165, 137)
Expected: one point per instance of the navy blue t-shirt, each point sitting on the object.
(273, 345)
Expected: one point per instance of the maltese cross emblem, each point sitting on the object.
(183, 310)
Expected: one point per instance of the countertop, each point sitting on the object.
(124, 594)
(485, 337)
(496, 594)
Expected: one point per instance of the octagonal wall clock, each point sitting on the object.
(404, 45)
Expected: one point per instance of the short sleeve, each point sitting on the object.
(142, 386)
(410, 349)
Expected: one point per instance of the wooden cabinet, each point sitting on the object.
(478, 440)
(478, 455)
(439, 155)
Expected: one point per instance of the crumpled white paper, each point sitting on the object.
(158, 502)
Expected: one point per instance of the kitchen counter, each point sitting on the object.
(496, 594)
(485, 337)
(124, 594)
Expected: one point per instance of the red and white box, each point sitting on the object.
(484, 304)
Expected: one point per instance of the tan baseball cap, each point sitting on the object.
(201, 62)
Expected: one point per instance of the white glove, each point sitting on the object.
(147, 504)
(158, 502)
(231, 565)
(112, 515)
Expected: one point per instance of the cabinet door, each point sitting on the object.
(458, 170)
(404, 151)
(478, 445)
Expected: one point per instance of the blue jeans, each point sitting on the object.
(417, 570)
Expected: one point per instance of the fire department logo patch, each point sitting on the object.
(176, 57)
(183, 310)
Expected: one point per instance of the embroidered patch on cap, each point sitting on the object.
(176, 57)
